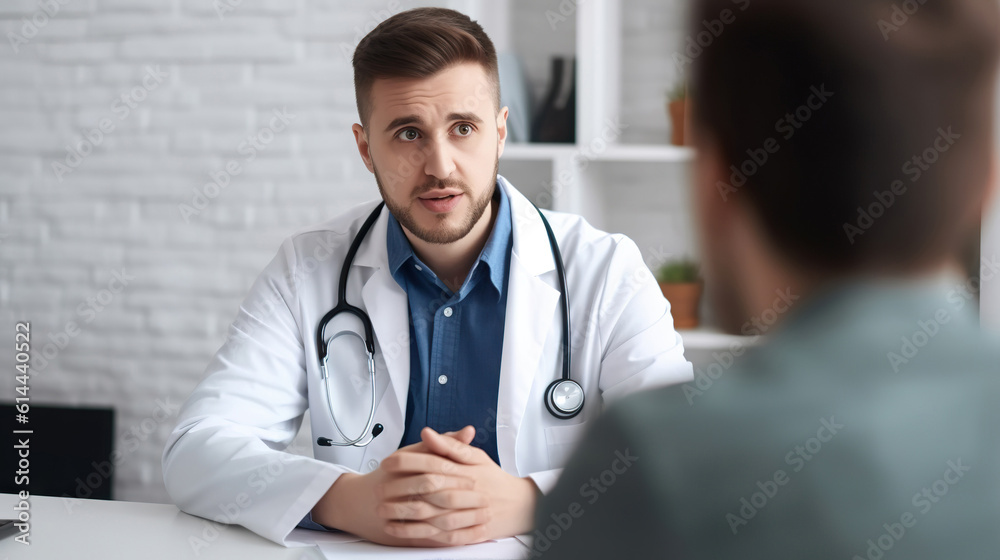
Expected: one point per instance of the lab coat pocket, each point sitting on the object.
(561, 441)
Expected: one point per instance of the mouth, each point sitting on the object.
(440, 193)
(440, 201)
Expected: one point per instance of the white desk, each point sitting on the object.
(71, 529)
(65, 529)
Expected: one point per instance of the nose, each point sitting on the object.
(438, 159)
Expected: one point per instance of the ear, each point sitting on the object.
(990, 197)
(363, 147)
(501, 130)
(716, 202)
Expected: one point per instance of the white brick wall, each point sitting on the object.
(62, 238)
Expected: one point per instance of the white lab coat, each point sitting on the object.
(225, 459)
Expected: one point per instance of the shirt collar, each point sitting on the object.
(397, 247)
(494, 254)
(497, 249)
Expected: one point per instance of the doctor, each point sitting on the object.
(457, 435)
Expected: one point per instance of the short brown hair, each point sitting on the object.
(899, 79)
(419, 43)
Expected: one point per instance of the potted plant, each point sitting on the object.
(677, 108)
(681, 285)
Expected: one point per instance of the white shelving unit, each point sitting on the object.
(573, 176)
(637, 188)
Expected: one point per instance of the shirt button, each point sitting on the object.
(418, 267)
(442, 379)
(372, 465)
(448, 312)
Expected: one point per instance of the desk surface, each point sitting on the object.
(71, 528)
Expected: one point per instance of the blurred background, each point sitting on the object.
(154, 154)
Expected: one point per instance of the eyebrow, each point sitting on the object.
(414, 119)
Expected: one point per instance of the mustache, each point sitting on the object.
(433, 184)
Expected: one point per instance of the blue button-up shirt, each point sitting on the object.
(456, 338)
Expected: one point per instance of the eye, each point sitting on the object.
(464, 129)
(409, 134)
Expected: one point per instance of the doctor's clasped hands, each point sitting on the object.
(438, 492)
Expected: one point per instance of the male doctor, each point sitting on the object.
(460, 283)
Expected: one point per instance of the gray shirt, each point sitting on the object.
(866, 427)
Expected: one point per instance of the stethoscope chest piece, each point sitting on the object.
(564, 398)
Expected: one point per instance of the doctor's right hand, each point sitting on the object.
(365, 504)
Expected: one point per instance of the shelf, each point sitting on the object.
(536, 152)
(625, 153)
(704, 338)
(646, 153)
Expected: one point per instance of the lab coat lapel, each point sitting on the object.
(388, 307)
(531, 308)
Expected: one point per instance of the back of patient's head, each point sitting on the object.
(896, 87)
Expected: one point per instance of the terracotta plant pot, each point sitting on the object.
(684, 300)
(678, 113)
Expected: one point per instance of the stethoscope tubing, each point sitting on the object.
(323, 347)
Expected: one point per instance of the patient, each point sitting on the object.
(844, 158)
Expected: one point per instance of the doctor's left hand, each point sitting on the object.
(422, 512)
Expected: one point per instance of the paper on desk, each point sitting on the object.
(307, 537)
(503, 549)
(341, 545)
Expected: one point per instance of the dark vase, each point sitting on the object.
(556, 119)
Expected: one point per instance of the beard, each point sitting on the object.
(440, 233)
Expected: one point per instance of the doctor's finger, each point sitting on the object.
(454, 449)
(414, 509)
(457, 499)
(415, 462)
(457, 527)
(465, 435)
(421, 485)
(462, 435)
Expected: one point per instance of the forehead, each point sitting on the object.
(461, 88)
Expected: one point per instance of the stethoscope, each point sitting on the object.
(563, 397)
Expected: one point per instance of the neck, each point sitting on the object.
(772, 285)
(451, 262)
(763, 286)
